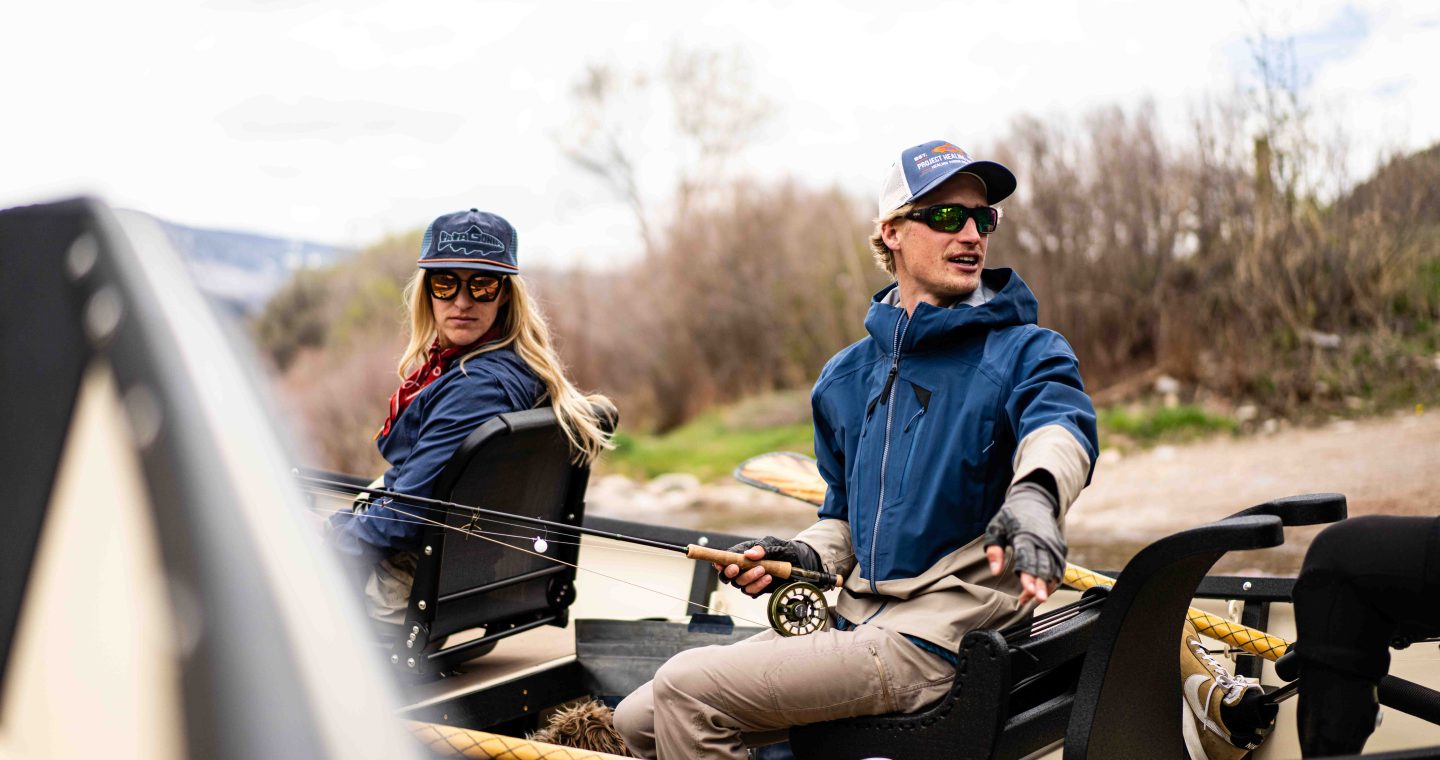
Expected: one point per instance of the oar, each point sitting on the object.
(798, 476)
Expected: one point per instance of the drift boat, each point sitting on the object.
(162, 594)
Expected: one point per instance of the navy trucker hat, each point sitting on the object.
(924, 167)
(470, 240)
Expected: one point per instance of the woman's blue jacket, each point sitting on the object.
(426, 435)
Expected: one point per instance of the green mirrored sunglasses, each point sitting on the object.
(951, 217)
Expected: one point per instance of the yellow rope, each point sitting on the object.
(449, 741)
(1244, 637)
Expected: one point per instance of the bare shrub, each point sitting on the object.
(749, 294)
(334, 336)
(341, 399)
(1224, 263)
(1099, 224)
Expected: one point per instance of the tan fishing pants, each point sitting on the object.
(703, 700)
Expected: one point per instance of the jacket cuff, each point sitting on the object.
(1053, 448)
(831, 540)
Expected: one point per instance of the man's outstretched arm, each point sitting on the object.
(1054, 421)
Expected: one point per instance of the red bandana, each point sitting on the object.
(438, 361)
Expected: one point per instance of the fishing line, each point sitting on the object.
(603, 547)
(583, 569)
(424, 503)
(779, 569)
(353, 498)
(361, 500)
(803, 609)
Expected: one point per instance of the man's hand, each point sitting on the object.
(756, 581)
(1026, 523)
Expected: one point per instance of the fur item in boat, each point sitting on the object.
(589, 725)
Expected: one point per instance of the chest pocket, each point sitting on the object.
(914, 408)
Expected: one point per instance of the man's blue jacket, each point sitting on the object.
(917, 429)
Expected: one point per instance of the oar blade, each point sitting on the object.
(786, 473)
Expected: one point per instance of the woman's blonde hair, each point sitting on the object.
(523, 330)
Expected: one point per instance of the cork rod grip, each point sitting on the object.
(774, 567)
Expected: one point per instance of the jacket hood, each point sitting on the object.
(931, 326)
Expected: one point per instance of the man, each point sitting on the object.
(957, 429)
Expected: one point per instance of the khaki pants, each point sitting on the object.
(712, 702)
(387, 589)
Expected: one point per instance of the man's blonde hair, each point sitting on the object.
(523, 330)
(884, 257)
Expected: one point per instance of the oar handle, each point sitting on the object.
(777, 568)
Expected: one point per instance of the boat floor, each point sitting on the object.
(515, 657)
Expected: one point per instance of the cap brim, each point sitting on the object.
(478, 266)
(999, 181)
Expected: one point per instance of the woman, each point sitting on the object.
(478, 347)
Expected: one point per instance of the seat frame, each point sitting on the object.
(1075, 679)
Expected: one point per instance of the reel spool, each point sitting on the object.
(799, 608)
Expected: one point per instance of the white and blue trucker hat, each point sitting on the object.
(470, 240)
(926, 166)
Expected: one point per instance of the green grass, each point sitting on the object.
(1151, 425)
(706, 447)
(711, 446)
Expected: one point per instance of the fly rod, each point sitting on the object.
(776, 568)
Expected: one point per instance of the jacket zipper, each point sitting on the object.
(888, 393)
(913, 418)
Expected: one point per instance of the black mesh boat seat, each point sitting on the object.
(1035, 664)
(1091, 673)
(522, 464)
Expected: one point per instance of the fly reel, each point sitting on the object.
(799, 608)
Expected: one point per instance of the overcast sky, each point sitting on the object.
(341, 121)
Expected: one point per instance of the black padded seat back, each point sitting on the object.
(1127, 703)
(488, 573)
(518, 463)
(1133, 650)
(1304, 509)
